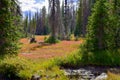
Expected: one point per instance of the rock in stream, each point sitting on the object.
(86, 74)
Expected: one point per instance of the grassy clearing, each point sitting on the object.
(42, 59)
(41, 50)
(49, 69)
(46, 60)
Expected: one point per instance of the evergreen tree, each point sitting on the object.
(97, 27)
(83, 13)
(115, 21)
(78, 29)
(117, 9)
(44, 20)
(26, 26)
(8, 28)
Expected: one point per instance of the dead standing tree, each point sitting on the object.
(52, 18)
(59, 23)
(66, 20)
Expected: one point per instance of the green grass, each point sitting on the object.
(105, 58)
(23, 69)
(51, 69)
(96, 58)
(16, 67)
(71, 61)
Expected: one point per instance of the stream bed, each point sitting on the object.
(86, 73)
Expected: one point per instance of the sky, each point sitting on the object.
(33, 5)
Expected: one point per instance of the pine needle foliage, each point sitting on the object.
(9, 30)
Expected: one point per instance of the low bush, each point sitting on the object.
(72, 61)
(51, 40)
(15, 68)
(101, 58)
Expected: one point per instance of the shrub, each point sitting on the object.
(45, 38)
(51, 40)
(73, 60)
(76, 38)
(14, 68)
(96, 58)
(101, 58)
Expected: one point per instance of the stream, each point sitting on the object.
(86, 73)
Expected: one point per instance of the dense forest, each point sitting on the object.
(67, 35)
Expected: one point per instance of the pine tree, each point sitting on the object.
(97, 27)
(8, 28)
(26, 26)
(44, 20)
(115, 21)
(78, 29)
(83, 13)
(117, 9)
(113, 31)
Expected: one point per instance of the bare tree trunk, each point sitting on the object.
(66, 20)
(52, 18)
(59, 24)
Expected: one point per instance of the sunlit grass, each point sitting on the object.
(48, 59)
(46, 51)
(24, 68)
(112, 76)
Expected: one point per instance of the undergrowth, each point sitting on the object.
(97, 58)
(51, 40)
(16, 68)
(22, 69)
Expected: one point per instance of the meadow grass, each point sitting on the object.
(23, 69)
(112, 76)
(51, 68)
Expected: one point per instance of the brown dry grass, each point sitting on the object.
(113, 76)
(45, 51)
